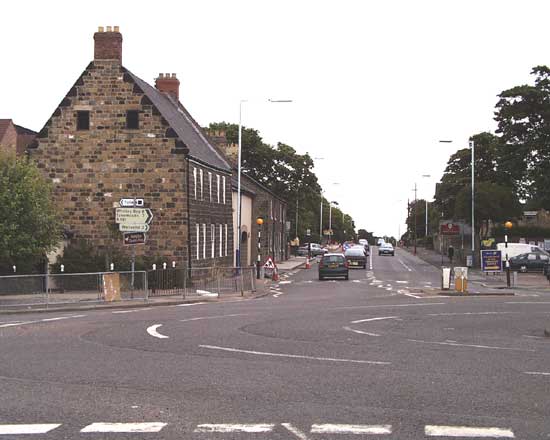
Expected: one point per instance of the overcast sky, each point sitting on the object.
(375, 84)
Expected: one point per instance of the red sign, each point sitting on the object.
(449, 229)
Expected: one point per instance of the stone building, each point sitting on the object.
(14, 138)
(114, 136)
(256, 201)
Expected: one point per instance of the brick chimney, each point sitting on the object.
(167, 83)
(108, 44)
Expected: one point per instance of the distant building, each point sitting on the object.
(539, 218)
(256, 201)
(114, 136)
(14, 138)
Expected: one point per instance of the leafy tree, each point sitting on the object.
(523, 117)
(29, 224)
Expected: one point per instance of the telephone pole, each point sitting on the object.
(415, 212)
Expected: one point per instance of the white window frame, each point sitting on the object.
(204, 240)
(195, 181)
(210, 185)
(223, 189)
(200, 175)
(271, 209)
(221, 240)
(213, 237)
(225, 244)
(218, 184)
(198, 238)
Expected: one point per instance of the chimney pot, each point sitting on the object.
(100, 29)
(107, 45)
(117, 29)
(168, 84)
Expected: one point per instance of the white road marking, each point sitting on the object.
(467, 431)
(390, 305)
(59, 318)
(285, 282)
(404, 265)
(294, 356)
(534, 337)
(299, 434)
(528, 302)
(470, 313)
(402, 282)
(412, 295)
(351, 429)
(28, 429)
(200, 318)
(232, 427)
(192, 304)
(488, 347)
(349, 329)
(537, 373)
(356, 281)
(132, 311)
(153, 332)
(278, 294)
(380, 318)
(124, 427)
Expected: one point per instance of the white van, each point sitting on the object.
(518, 249)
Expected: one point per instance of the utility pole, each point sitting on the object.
(472, 146)
(415, 212)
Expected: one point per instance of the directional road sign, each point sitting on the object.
(133, 227)
(133, 238)
(133, 216)
(131, 203)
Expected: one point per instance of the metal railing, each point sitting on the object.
(45, 290)
(71, 288)
(202, 281)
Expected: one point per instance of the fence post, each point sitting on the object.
(217, 274)
(242, 281)
(252, 281)
(146, 286)
(185, 283)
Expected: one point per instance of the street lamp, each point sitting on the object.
(426, 234)
(330, 218)
(259, 222)
(508, 225)
(472, 146)
(239, 220)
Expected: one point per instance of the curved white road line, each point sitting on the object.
(153, 332)
(349, 329)
(380, 318)
(200, 318)
(293, 356)
(455, 344)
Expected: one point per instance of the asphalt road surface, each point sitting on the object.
(378, 356)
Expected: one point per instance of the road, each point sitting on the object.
(379, 355)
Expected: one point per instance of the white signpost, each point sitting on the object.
(133, 216)
(133, 227)
(131, 203)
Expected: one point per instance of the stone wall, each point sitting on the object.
(92, 169)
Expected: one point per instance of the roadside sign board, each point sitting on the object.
(133, 238)
(133, 216)
(449, 229)
(491, 261)
(131, 203)
(133, 227)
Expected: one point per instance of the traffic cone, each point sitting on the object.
(275, 275)
(308, 266)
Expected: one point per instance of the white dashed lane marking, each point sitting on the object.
(21, 429)
(466, 431)
(59, 318)
(230, 427)
(351, 429)
(380, 318)
(124, 427)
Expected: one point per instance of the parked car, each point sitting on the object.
(386, 249)
(529, 262)
(515, 249)
(356, 257)
(333, 266)
(316, 249)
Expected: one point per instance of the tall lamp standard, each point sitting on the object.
(239, 201)
(472, 146)
(508, 225)
(426, 234)
(330, 218)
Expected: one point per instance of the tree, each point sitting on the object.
(523, 117)
(29, 224)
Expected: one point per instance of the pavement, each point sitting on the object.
(525, 281)
(381, 355)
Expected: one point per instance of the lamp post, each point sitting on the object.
(426, 233)
(239, 153)
(415, 212)
(321, 219)
(259, 222)
(330, 218)
(508, 225)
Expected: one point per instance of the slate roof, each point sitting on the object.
(184, 125)
(23, 130)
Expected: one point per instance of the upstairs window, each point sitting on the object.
(218, 185)
(83, 120)
(210, 185)
(223, 189)
(132, 119)
(195, 182)
(200, 174)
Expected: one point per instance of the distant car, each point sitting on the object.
(333, 266)
(316, 250)
(356, 257)
(386, 249)
(529, 262)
